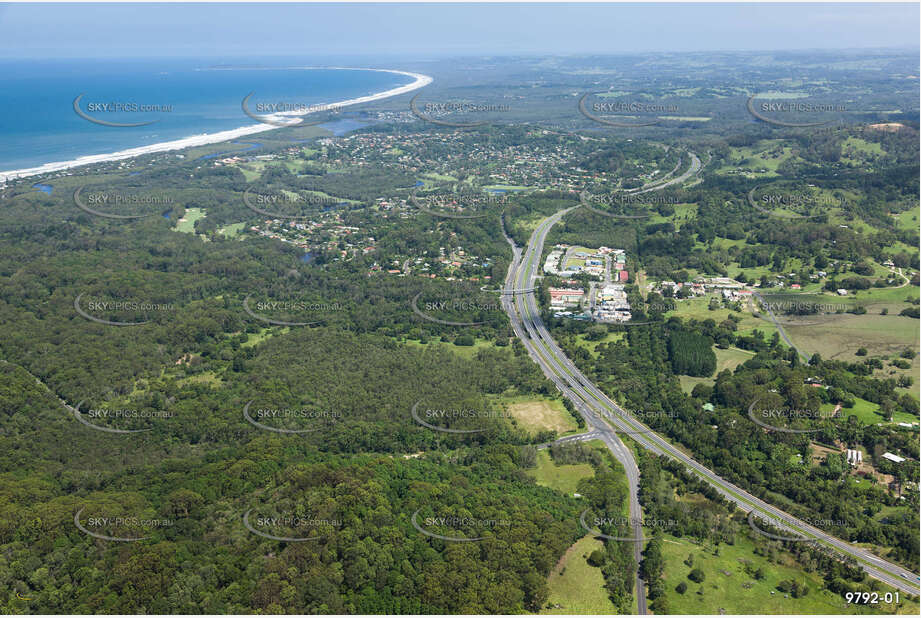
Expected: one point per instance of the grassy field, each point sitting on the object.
(838, 337)
(561, 478)
(727, 588)
(909, 219)
(503, 187)
(835, 336)
(867, 413)
(439, 177)
(232, 231)
(576, 587)
(187, 223)
(263, 334)
(253, 169)
(327, 196)
(207, 377)
(862, 146)
(468, 352)
(535, 415)
(765, 155)
(592, 346)
(698, 309)
(683, 213)
(530, 223)
(863, 410)
(729, 358)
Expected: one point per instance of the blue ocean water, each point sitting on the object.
(38, 124)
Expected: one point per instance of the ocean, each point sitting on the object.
(39, 125)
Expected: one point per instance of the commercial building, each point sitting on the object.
(566, 297)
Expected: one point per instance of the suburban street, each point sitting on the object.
(604, 416)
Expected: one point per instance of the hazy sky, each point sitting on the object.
(430, 30)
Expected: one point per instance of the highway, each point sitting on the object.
(513, 302)
(658, 186)
(606, 417)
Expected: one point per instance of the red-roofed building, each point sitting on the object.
(623, 276)
(565, 296)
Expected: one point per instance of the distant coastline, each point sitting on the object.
(419, 81)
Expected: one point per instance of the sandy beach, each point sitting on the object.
(420, 81)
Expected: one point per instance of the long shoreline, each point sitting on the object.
(420, 81)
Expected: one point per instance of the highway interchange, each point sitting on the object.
(606, 419)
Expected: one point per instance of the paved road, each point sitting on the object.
(692, 170)
(582, 437)
(606, 417)
(514, 304)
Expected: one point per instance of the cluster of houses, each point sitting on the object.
(730, 289)
(316, 235)
(529, 164)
